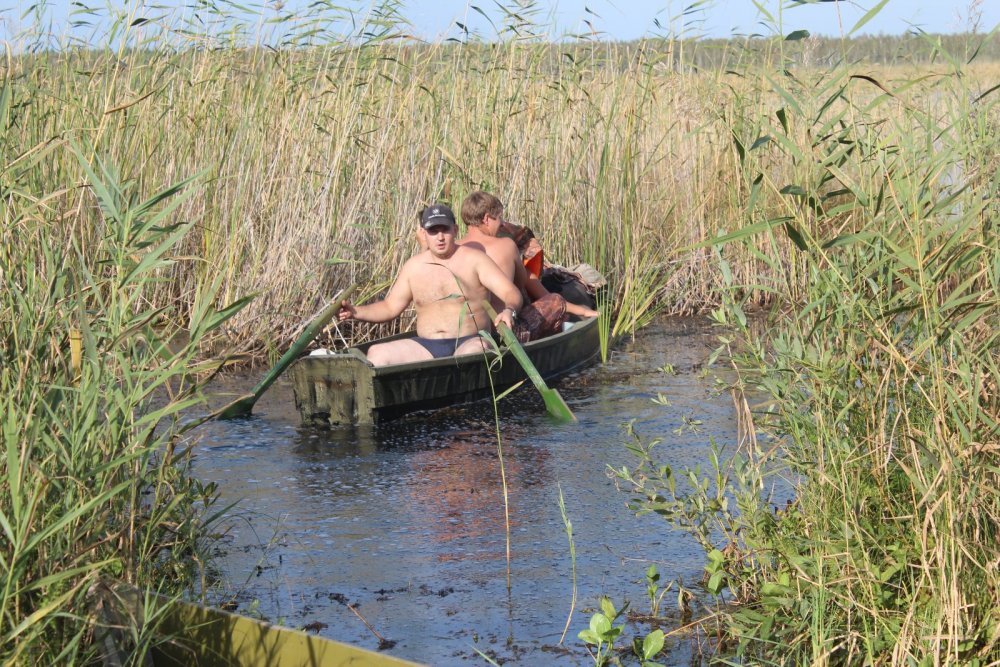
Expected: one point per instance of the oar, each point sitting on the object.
(242, 406)
(554, 403)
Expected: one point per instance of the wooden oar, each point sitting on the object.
(554, 403)
(242, 406)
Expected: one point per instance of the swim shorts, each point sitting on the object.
(442, 347)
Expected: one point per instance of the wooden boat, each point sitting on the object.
(345, 388)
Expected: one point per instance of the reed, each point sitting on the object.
(93, 382)
(869, 208)
(319, 156)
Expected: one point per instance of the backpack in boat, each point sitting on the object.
(578, 285)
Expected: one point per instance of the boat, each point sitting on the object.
(344, 388)
(179, 633)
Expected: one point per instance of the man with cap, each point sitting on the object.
(447, 285)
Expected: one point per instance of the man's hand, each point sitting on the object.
(346, 312)
(507, 317)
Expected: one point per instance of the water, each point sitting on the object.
(405, 522)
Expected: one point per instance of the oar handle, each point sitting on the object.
(243, 406)
(514, 345)
(310, 332)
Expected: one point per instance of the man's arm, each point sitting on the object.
(395, 302)
(496, 281)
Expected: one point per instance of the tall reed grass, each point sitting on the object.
(318, 157)
(93, 381)
(321, 145)
(869, 207)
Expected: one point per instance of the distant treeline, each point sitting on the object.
(797, 48)
(811, 50)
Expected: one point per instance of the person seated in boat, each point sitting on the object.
(545, 313)
(577, 285)
(447, 285)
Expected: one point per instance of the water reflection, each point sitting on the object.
(406, 521)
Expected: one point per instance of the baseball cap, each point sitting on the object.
(436, 214)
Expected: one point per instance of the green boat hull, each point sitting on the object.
(344, 388)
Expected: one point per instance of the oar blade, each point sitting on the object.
(556, 406)
(241, 407)
(554, 403)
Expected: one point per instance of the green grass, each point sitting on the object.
(94, 485)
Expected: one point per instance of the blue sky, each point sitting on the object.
(630, 19)
(609, 19)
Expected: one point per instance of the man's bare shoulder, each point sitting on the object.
(496, 244)
(511, 249)
(472, 252)
(505, 242)
(472, 244)
(416, 263)
(504, 251)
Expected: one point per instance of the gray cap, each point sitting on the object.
(436, 214)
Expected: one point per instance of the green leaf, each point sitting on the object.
(790, 98)
(868, 17)
(745, 232)
(599, 624)
(715, 582)
(652, 644)
(38, 538)
(5, 96)
(754, 192)
(151, 259)
(104, 197)
(991, 90)
(796, 35)
(608, 608)
(782, 118)
(849, 239)
(795, 236)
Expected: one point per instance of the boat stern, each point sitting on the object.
(334, 389)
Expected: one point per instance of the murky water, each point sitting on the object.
(406, 524)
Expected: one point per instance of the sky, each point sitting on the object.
(605, 19)
(631, 19)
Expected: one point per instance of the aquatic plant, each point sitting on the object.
(602, 631)
(648, 648)
(572, 557)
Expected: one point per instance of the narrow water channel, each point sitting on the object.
(405, 522)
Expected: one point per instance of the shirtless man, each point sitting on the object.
(483, 215)
(447, 285)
